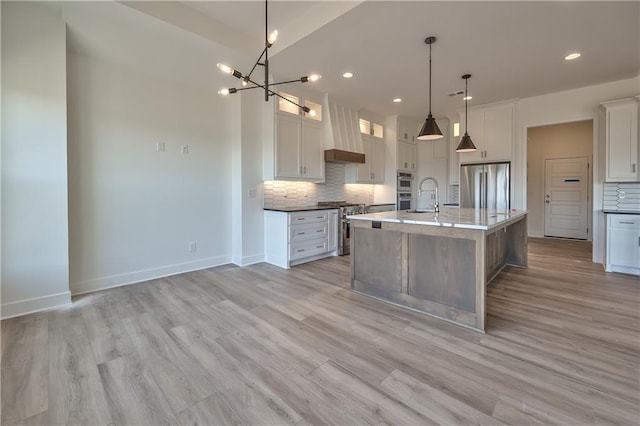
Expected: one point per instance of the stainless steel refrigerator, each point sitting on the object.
(486, 186)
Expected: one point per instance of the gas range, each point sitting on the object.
(345, 208)
(344, 229)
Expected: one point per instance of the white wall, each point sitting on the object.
(35, 261)
(563, 107)
(547, 142)
(133, 211)
(248, 215)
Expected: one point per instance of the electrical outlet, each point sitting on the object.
(160, 147)
(252, 193)
(184, 148)
(192, 247)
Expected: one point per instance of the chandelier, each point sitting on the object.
(248, 83)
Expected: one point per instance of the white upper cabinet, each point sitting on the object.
(621, 136)
(454, 157)
(491, 128)
(288, 146)
(407, 130)
(299, 140)
(312, 154)
(407, 157)
(372, 171)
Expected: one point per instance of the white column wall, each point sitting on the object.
(35, 252)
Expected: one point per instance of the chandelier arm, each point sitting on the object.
(304, 108)
(257, 62)
(299, 80)
(248, 88)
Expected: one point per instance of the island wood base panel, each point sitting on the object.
(437, 270)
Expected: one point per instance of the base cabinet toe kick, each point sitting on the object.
(441, 271)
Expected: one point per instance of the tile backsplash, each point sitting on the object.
(282, 193)
(621, 196)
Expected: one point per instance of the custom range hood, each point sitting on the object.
(343, 143)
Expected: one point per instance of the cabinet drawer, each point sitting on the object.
(307, 231)
(621, 221)
(308, 217)
(307, 248)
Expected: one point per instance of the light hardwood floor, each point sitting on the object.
(260, 345)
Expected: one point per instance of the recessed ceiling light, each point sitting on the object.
(347, 74)
(396, 100)
(467, 98)
(572, 56)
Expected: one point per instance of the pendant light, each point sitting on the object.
(430, 129)
(466, 144)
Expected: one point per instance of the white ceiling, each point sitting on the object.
(512, 49)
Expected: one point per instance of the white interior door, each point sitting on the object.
(566, 198)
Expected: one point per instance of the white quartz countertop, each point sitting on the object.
(482, 219)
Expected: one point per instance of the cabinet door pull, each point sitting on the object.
(299, 250)
(633, 168)
(319, 246)
(627, 223)
(300, 233)
(319, 230)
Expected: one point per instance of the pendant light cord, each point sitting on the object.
(429, 79)
(466, 102)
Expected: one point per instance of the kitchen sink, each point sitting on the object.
(421, 211)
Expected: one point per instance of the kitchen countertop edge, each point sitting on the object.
(430, 220)
(621, 212)
(297, 209)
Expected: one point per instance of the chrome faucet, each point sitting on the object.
(436, 204)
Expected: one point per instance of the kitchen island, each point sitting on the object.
(436, 263)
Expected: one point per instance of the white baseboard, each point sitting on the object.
(248, 260)
(277, 260)
(30, 306)
(112, 281)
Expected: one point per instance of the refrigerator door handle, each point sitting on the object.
(486, 189)
(485, 183)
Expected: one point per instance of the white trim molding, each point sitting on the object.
(120, 280)
(37, 304)
(249, 260)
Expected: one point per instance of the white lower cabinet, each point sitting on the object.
(298, 237)
(334, 217)
(623, 243)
